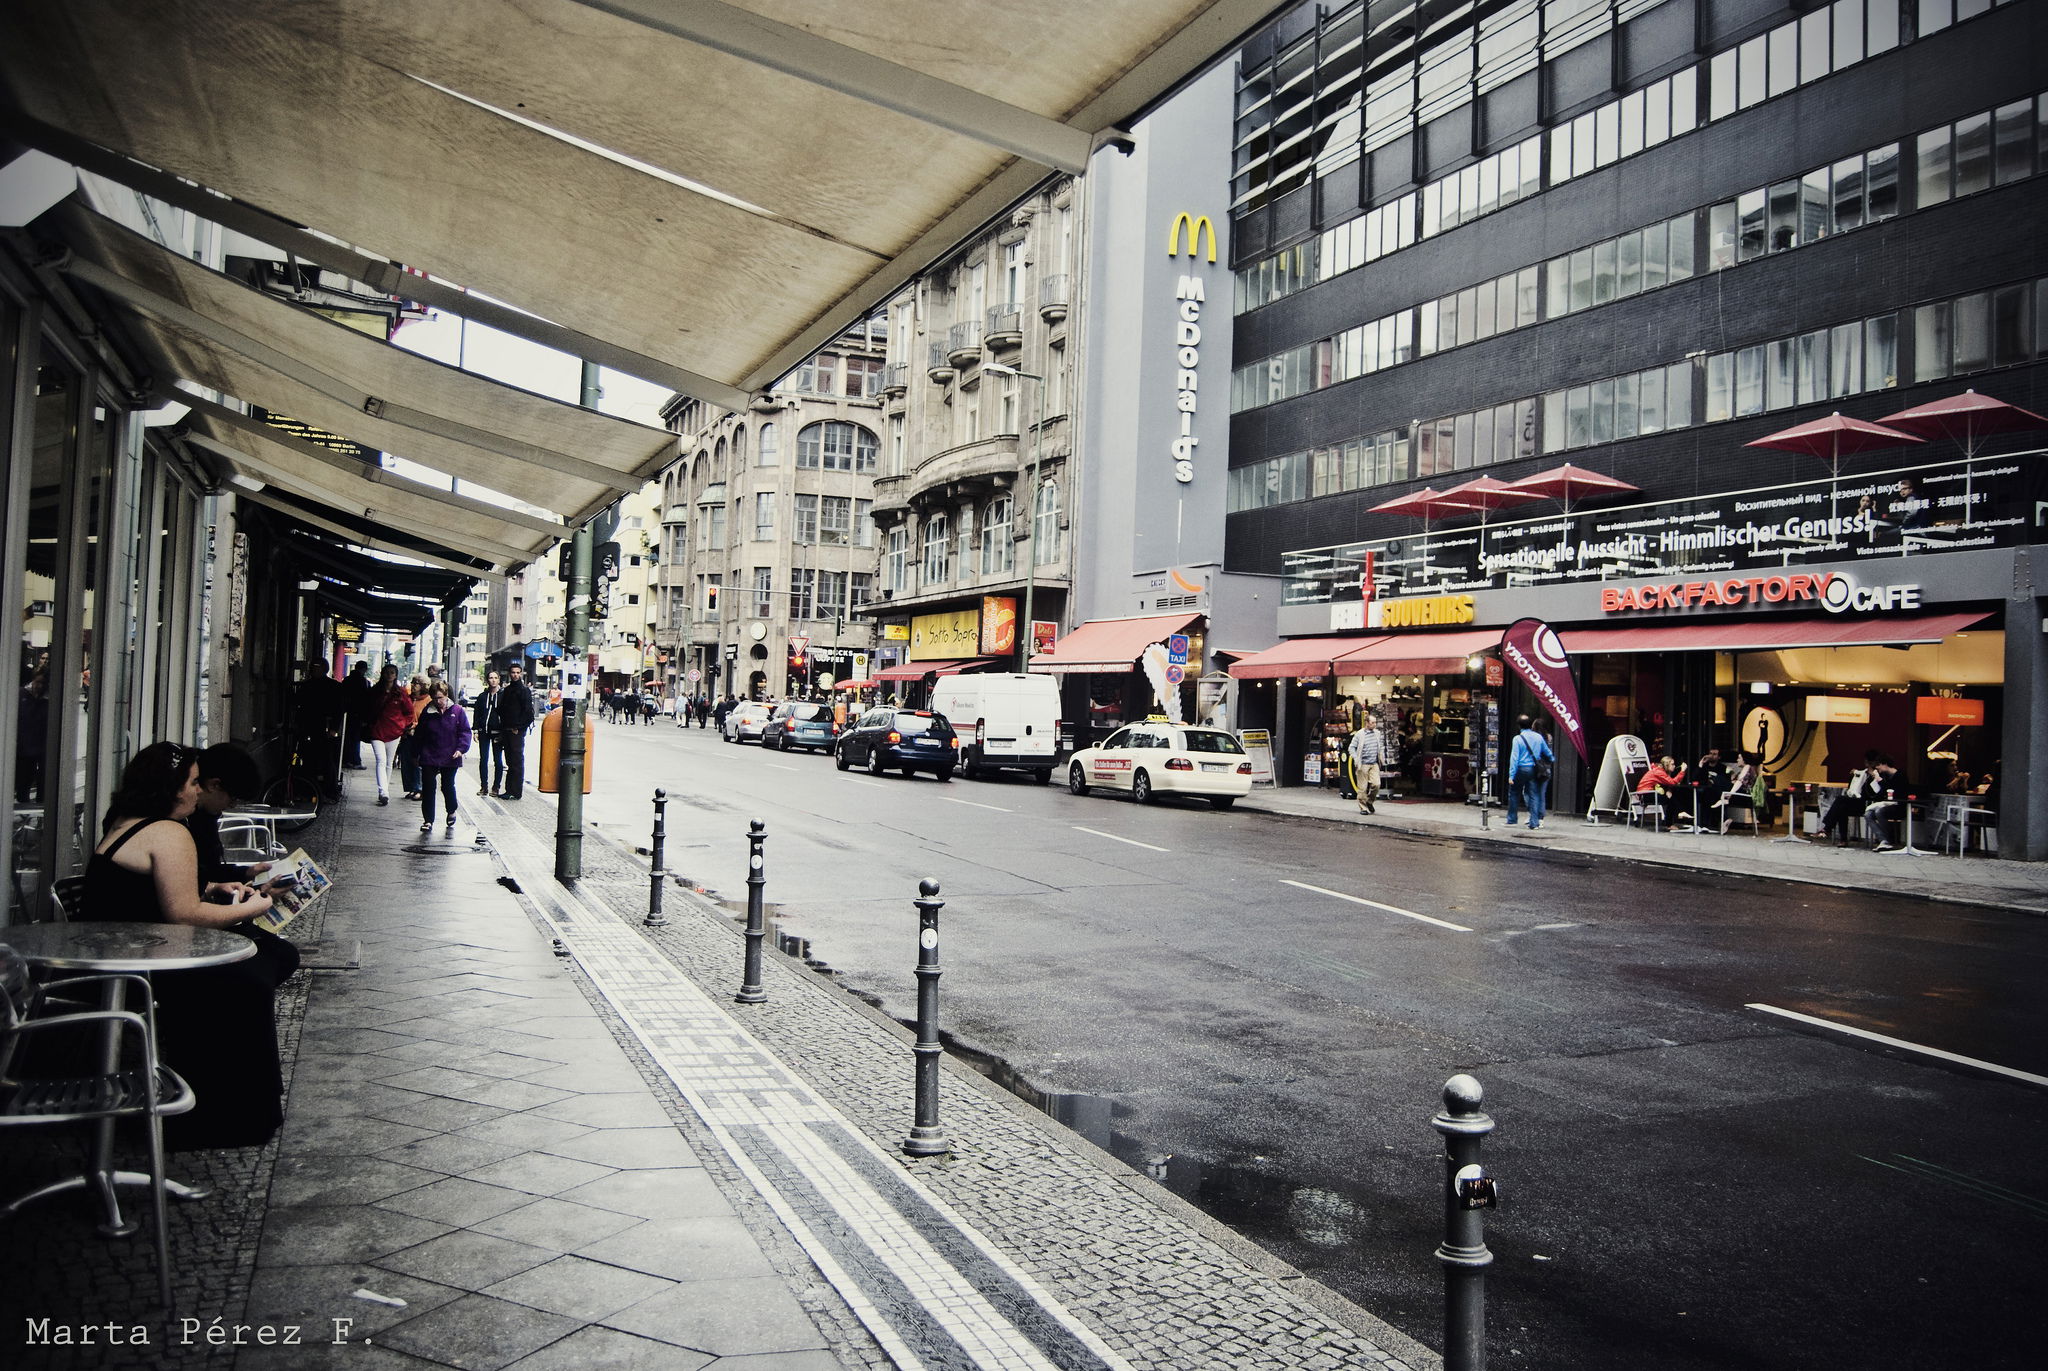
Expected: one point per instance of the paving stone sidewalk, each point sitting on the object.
(1148, 1281)
(1976, 879)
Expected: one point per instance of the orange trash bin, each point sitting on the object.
(551, 749)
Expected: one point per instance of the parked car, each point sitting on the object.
(800, 723)
(746, 720)
(1152, 759)
(1009, 721)
(905, 740)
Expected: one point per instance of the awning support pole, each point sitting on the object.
(569, 757)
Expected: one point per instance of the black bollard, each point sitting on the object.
(1467, 1191)
(654, 918)
(926, 1138)
(757, 929)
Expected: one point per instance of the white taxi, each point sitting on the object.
(1155, 758)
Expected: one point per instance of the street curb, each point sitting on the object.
(1859, 885)
(1302, 1286)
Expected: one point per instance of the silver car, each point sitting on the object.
(746, 720)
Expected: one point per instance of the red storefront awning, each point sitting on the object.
(1768, 635)
(1110, 644)
(916, 671)
(1302, 657)
(1418, 654)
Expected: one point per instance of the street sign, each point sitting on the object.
(1176, 673)
(607, 561)
(732, 652)
(1177, 649)
(541, 647)
(693, 675)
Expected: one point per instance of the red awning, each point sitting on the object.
(1302, 657)
(916, 671)
(1110, 644)
(1418, 654)
(1767, 635)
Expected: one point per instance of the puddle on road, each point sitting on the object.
(1250, 1196)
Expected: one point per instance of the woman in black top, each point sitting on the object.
(216, 1027)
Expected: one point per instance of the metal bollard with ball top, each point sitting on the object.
(757, 928)
(926, 1138)
(655, 918)
(1468, 1192)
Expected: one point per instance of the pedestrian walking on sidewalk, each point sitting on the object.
(1529, 764)
(1366, 751)
(444, 737)
(514, 717)
(485, 726)
(390, 716)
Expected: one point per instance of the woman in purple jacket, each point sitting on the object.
(441, 735)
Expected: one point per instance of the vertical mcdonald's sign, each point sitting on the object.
(1194, 227)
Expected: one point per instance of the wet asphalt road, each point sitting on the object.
(1687, 1183)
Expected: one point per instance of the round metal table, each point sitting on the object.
(112, 950)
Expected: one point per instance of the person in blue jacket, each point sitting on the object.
(1529, 764)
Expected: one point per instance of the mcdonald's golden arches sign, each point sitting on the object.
(1195, 227)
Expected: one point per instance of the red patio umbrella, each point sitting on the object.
(1834, 438)
(1567, 483)
(1425, 504)
(1967, 419)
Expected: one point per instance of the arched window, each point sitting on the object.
(769, 450)
(995, 538)
(937, 552)
(835, 445)
(718, 462)
(739, 446)
(1045, 527)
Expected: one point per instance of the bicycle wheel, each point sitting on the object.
(297, 791)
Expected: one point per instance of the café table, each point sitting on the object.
(270, 816)
(94, 948)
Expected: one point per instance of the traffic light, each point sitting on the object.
(711, 599)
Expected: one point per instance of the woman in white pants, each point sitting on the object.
(391, 706)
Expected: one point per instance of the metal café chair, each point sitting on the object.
(139, 1086)
(67, 897)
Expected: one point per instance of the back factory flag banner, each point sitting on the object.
(1531, 648)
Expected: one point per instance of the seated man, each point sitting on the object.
(1884, 805)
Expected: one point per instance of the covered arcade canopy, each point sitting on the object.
(700, 194)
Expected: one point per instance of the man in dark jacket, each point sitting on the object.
(484, 720)
(513, 715)
(357, 705)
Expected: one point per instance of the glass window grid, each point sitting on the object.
(1735, 79)
(2000, 326)
(835, 445)
(1797, 212)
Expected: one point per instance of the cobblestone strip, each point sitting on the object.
(739, 1089)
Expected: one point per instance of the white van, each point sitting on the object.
(1005, 721)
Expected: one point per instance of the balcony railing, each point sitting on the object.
(963, 343)
(938, 364)
(896, 379)
(1052, 299)
(1005, 326)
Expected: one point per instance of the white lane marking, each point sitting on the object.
(780, 767)
(1390, 908)
(976, 803)
(876, 784)
(1542, 928)
(1957, 1057)
(1113, 838)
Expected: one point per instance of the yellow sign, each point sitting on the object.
(998, 625)
(1195, 226)
(895, 633)
(935, 637)
(1428, 611)
(346, 632)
